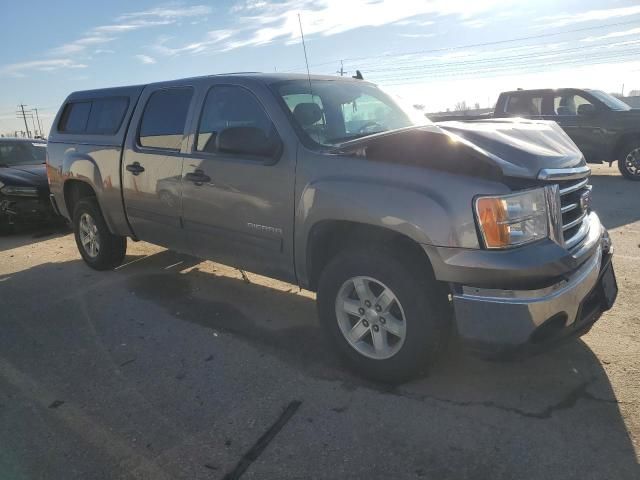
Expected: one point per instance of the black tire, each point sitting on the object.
(628, 171)
(424, 302)
(112, 247)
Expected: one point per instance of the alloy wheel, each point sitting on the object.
(371, 317)
(89, 236)
(632, 162)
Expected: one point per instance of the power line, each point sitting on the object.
(474, 45)
(528, 61)
(506, 68)
(479, 62)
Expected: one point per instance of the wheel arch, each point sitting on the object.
(622, 141)
(329, 237)
(74, 190)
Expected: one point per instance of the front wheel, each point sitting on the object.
(629, 161)
(386, 315)
(100, 249)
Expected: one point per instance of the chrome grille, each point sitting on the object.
(574, 210)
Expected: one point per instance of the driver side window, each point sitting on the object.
(227, 107)
(311, 118)
(568, 105)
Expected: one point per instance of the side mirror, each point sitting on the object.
(586, 110)
(247, 141)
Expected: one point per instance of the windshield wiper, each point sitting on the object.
(352, 137)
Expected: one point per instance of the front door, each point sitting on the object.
(152, 168)
(583, 128)
(237, 200)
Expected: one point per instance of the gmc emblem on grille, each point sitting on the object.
(585, 200)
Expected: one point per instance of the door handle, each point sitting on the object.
(135, 168)
(198, 177)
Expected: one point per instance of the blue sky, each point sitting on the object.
(434, 52)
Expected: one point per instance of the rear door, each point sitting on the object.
(152, 165)
(238, 206)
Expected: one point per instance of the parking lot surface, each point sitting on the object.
(172, 368)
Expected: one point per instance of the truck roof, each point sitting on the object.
(267, 78)
(545, 90)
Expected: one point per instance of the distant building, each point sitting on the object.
(469, 112)
(632, 101)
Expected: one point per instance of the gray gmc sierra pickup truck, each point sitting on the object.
(408, 233)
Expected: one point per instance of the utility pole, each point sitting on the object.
(39, 124)
(24, 117)
(341, 71)
(33, 122)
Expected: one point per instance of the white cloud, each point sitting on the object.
(80, 44)
(624, 33)
(261, 23)
(146, 59)
(213, 40)
(589, 16)
(128, 22)
(130, 25)
(169, 13)
(476, 23)
(418, 35)
(19, 69)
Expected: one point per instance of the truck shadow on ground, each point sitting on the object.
(285, 324)
(20, 236)
(615, 199)
(568, 386)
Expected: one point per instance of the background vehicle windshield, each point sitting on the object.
(339, 111)
(22, 153)
(609, 100)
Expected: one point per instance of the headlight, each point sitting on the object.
(511, 220)
(19, 191)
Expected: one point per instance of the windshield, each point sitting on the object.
(609, 100)
(22, 153)
(339, 111)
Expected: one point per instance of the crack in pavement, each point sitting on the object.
(580, 392)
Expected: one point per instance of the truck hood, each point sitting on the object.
(489, 148)
(24, 175)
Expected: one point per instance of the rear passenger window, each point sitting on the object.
(75, 116)
(101, 116)
(107, 115)
(164, 118)
(524, 105)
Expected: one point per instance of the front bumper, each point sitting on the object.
(497, 320)
(25, 209)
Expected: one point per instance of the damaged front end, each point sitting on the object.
(23, 204)
(542, 270)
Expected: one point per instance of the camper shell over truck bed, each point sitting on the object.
(408, 232)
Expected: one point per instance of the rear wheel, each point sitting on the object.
(99, 248)
(386, 316)
(629, 161)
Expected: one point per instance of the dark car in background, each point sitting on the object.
(24, 190)
(603, 127)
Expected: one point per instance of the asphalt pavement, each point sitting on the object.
(173, 368)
